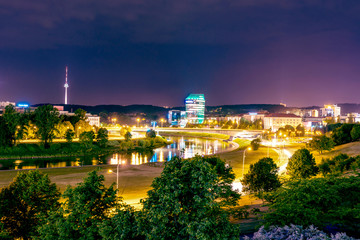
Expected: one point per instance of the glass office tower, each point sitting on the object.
(195, 108)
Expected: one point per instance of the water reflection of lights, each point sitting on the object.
(52, 165)
(137, 159)
(181, 146)
(116, 159)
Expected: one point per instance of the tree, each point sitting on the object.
(102, 137)
(317, 201)
(191, 200)
(85, 208)
(262, 177)
(87, 138)
(289, 130)
(30, 130)
(150, 134)
(300, 131)
(69, 135)
(81, 114)
(5, 134)
(122, 226)
(336, 165)
(23, 123)
(128, 136)
(82, 126)
(302, 164)
(11, 118)
(355, 133)
(321, 143)
(255, 144)
(46, 118)
(62, 127)
(342, 134)
(25, 202)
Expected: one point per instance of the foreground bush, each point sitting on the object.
(320, 201)
(295, 232)
(25, 202)
(191, 200)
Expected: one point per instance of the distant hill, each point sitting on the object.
(245, 108)
(147, 109)
(161, 111)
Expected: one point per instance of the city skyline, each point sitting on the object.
(300, 53)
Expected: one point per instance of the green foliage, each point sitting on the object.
(5, 134)
(82, 126)
(4, 234)
(124, 130)
(11, 118)
(25, 202)
(128, 136)
(302, 164)
(262, 177)
(317, 201)
(46, 118)
(321, 143)
(255, 144)
(355, 133)
(102, 137)
(69, 135)
(342, 134)
(62, 128)
(87, 138)
(191, 200)
(337, 165)
(150, 134)
(85, 208)
(122, 226)
(80, 114)
(300, 131)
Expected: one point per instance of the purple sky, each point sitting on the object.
(156, 52)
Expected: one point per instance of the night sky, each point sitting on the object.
(157, 52)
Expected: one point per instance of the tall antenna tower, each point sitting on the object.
(66, 86)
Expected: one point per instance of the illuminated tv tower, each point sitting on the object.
(66, 86)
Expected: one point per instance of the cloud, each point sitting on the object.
(48, 24)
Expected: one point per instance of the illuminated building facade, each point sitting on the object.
(330, 111)
(195, 108)
(275, 121)
(177, 118)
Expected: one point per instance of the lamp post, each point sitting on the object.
(162, 121)
(117, 174)
(249, 149)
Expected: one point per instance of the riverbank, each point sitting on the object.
(76, 149)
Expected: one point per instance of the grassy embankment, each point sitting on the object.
(352, 149)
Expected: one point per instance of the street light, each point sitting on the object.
(162, 120)
(249, 149)
(117, 174)
(138, 121)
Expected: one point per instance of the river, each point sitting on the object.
(185, 147)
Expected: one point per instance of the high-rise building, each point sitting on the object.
(195, 108)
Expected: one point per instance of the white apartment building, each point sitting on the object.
(275, 121)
